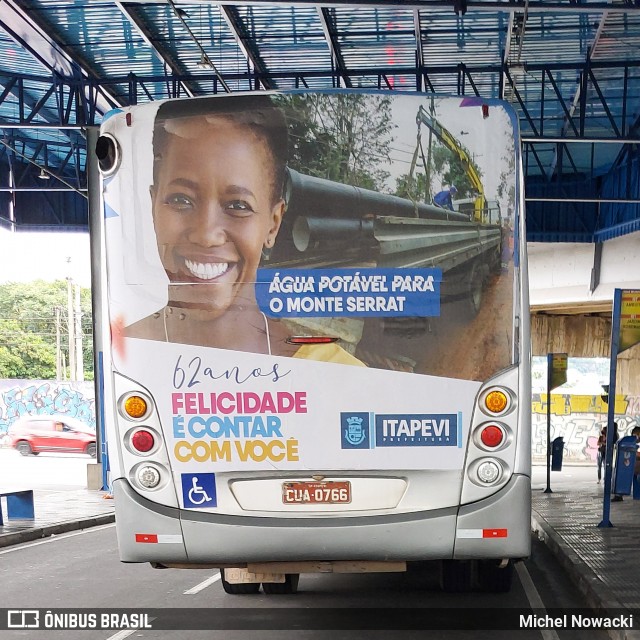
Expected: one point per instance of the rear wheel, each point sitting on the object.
(456, 576)
(494, 579)
(419, 575)
(475, 283)
(24, 448)
(290, 585)
(91, 450)
(244, 588)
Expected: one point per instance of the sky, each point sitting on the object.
(51, 256)
(486, 139)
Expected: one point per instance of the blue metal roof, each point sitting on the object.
(571, 71)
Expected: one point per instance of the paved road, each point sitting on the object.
(82, 570)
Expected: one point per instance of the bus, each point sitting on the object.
(308, 366)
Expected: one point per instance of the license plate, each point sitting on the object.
(316, 492)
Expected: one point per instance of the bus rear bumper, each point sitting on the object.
(148, 532)
(497, 527)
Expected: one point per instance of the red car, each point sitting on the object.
(33, 434)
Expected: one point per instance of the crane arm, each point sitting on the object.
(447, 139)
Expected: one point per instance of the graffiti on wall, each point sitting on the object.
(20, 398)
(578, 420)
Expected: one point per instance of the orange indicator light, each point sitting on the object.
(496, 401)
(135, 406)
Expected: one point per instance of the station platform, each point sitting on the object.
(58, 512)
(604, 563)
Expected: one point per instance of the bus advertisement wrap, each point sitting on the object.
(317, 307)
(311, 243)
(341, 293)
(254, 413)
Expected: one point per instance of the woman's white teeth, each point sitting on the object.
(207, 271)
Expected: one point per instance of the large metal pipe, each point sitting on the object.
(318, 198)
(308, 231)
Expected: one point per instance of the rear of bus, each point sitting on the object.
(372, 410)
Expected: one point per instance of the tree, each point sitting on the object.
(345, 138)
(506, 186)
(24, 354)
(453, 171)
(413, 187)
(441, 161)
(28, 329)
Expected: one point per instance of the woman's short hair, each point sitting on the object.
(256, 112)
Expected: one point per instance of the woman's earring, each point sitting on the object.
(266, 250)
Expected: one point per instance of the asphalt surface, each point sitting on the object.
(602, 562)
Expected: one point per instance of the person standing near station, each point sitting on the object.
(445, 198)
(616, 496)
(602, 449)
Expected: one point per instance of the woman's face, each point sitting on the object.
(214, 211)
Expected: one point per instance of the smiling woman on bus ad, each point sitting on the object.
(217, 205)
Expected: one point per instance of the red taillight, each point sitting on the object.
(311, 339)
(491, 436)
(142, 441)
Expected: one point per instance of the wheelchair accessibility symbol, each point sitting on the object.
(199, 490)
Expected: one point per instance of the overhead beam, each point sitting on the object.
(70, 92)
(331, 36)
(417, 27)
(192, 35)
(508, 38)
(51, 156)
(586, 200)
(36, 38)
(29, 109)
(451, 69)
(461, 79)
(489, 6)
(41, 125)
(579, 88)
(146, 35)
(244, 40)
(39, 189)
(48, 171)
(506, 56)
(444, 69)
(632, 130)
(584, 140)
(597, 267)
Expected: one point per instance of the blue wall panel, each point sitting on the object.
(561, 221)
(621, 218)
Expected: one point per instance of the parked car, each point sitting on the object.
(33, 434)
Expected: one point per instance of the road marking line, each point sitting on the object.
(202, 585)
(534, 598)
(54, 537)
(121, 635)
